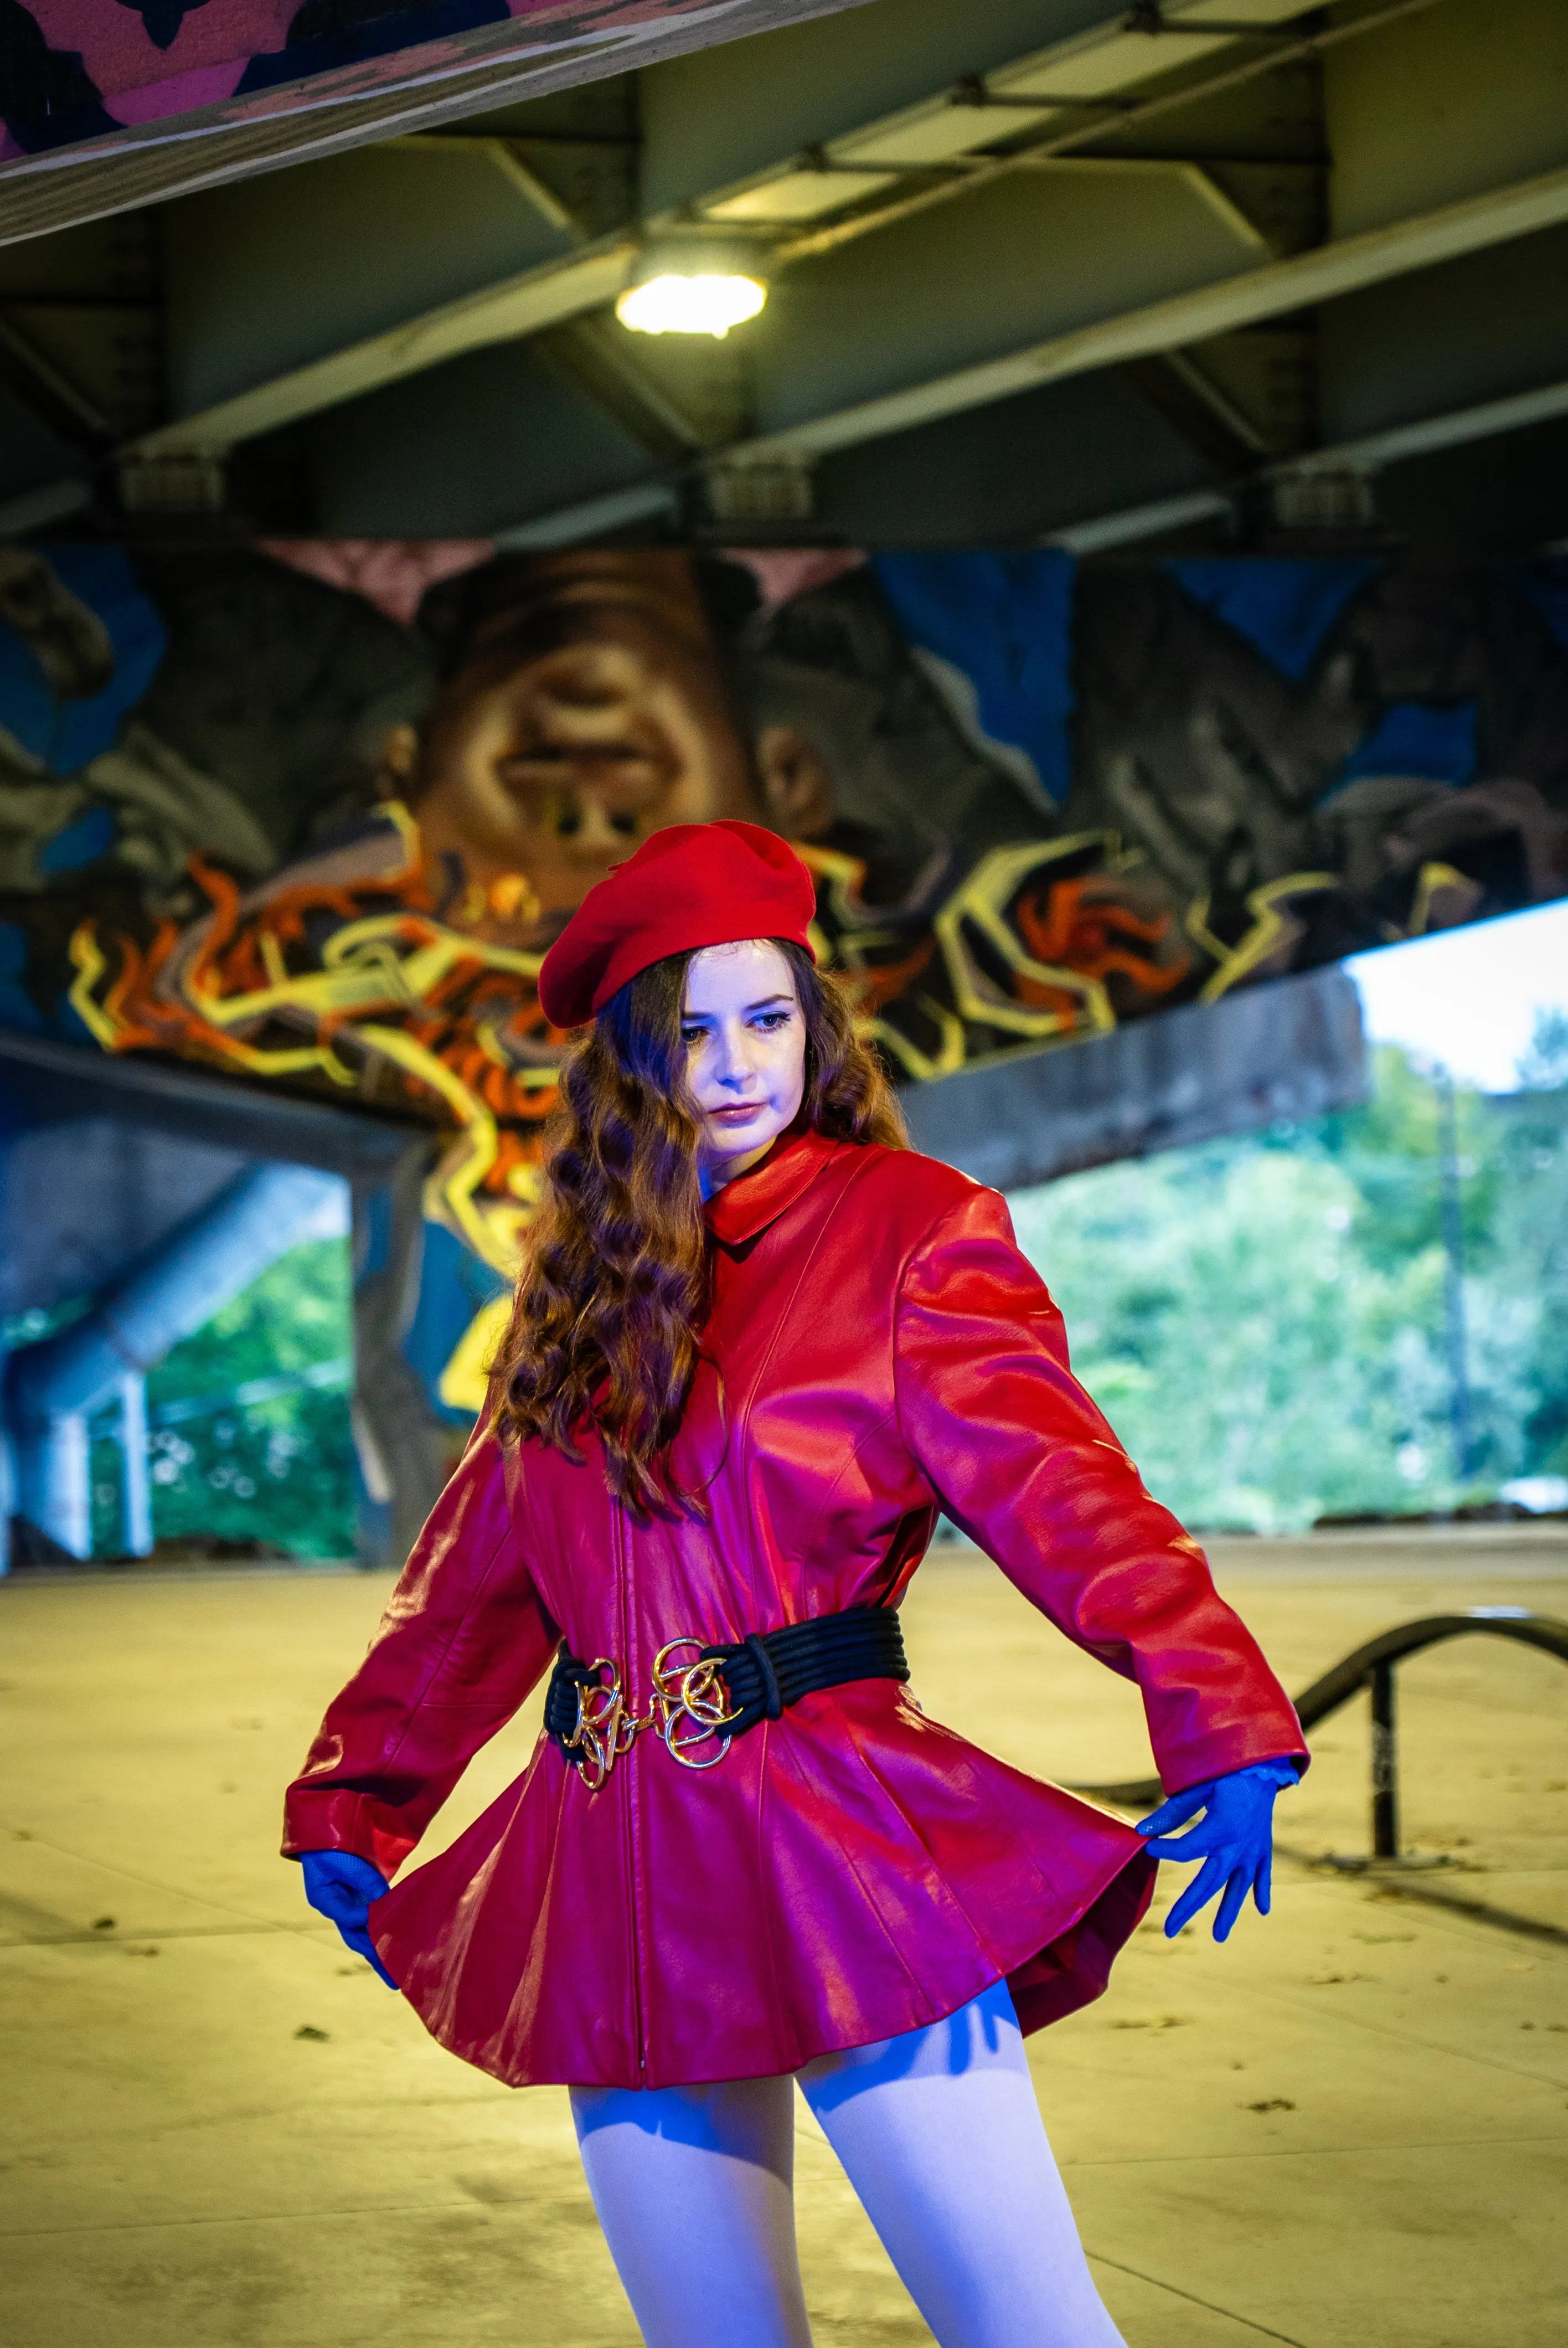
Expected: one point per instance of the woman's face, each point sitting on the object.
(745, 1054)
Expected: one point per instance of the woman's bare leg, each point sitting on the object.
(695, 2189)
(941, 2137)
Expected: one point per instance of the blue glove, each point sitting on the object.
(342, 1886)
(1234, 1839)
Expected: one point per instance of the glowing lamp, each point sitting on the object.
(681, 302)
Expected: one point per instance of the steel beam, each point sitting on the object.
(595, 517)
(1425, 435)
(1422, 436)
(523, 305)
(1276, 288)
(1243, 299)
(695, 109)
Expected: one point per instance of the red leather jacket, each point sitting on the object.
(878, 1349)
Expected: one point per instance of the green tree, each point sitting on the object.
(1262, 1318)
(278, 1470)
(1544, 1066)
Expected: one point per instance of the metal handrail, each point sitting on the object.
(1372, 1666)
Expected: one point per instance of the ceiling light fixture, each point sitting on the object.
(689, 301)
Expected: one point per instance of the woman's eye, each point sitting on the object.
(770, 1020)
(691, 1034)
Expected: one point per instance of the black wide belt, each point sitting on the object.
(720, 1692)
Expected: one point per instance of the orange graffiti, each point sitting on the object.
(1093, 933)
(361, 986)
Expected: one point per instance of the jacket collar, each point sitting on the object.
(752, 1201)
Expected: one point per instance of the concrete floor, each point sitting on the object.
(1347, 2129)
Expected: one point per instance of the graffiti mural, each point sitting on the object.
(312, 814)
(75, 70)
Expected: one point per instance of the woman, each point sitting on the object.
(758, 1344)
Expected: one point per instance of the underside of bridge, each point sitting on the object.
(1215, 274)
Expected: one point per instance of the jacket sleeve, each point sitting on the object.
(464, 1638)
(1020, 1458)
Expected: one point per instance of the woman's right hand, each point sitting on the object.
(340, 1884)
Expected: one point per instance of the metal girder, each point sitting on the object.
(715, 123)
(595, 517)
(497, 435)
(1494, 342)
(1422, 437)
(1011, 268)
(80, 346)
(286, 256)
(1094, 50)
(600, 361)
(53, 501)
(1418, 118)
(262, 283)
(1183, 394)
(1164, 220)
(854, 107)
(1065, 126)
(70, 413)
(1480, 328)
(1134, 524)
(1187, 326)
(503, 155)
(1070, 449)
(1240, 299)
(525, 304)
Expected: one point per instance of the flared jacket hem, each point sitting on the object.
(439, 1927)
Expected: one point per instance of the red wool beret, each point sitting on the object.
(688, 886)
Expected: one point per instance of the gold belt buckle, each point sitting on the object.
(604, 1729)
(695, 1693)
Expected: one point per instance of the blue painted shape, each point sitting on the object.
(388, 29)
(453, 1284)
(1006, 620)
(1542, 581)
(66, 733)
(1430, 738)
(49, 96)
(17, 1008)
(373, 1235)
(82, 842)
(68, 1024)
(1286, 608)
(163, 18)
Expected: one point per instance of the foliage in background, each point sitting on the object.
(1263, 1319)
(280, 1471)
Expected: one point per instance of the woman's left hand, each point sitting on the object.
(1233, 1838)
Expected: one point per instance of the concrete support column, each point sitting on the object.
(102, 1361)
(56, 1481)
(134, 1477)
(7, 1480)
(401, 1442)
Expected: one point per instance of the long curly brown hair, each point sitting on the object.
(614, 1291)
